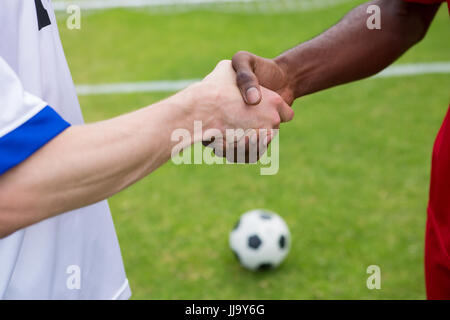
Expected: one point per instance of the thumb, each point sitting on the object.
(243, 63)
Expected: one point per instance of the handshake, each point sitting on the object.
(241, 105)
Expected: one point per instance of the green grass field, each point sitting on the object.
(354, 163)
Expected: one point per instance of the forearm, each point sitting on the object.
(350, 51)
(89, 163)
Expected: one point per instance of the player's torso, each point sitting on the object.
(46, 260)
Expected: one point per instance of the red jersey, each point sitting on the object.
(437, 240)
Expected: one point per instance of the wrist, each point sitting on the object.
(205, 96)
(285, 63)
(197, 104)
(298, 69)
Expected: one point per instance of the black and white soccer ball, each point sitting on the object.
(260, 240)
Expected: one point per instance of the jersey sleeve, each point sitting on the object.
(426, 1)
(26, 122)
(430, 2)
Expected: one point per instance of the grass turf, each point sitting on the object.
(354, 163)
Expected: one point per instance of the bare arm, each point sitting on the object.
(346, 52)
(89, 163)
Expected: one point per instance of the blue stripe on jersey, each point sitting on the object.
(17, 145)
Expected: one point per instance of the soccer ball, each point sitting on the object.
(260, 240)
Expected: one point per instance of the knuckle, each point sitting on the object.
(276, 120)
(223, 63)
(291, 114)
(241, 54)
(277, 100)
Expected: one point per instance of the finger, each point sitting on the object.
(286, 112)
(243, 63)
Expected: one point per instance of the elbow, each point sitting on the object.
(13, 213)
(8, 222)
(410, 37)
(5, 232)
(7, 225)
(417, 31)
(412, 19)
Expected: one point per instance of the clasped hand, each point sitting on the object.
(239, 131)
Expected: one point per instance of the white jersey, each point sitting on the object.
(75, 255)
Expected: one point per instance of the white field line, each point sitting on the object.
(111, 4)
(414, 69)
(131, 87)
(176, 85)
